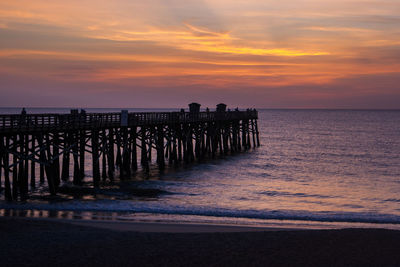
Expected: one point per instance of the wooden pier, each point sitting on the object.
(50, 147)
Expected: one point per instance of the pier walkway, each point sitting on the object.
(53, 147)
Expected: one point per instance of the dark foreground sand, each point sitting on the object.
(32, 242)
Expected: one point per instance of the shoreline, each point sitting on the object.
(159, 227)
(108, 217)
(38, 242)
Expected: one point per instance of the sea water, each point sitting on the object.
(314, 168)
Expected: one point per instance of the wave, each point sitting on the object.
(135, 207)
(272, 193)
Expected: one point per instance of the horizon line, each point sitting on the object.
(258, 108)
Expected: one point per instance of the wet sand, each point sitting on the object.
(34, 242)
(157, 227)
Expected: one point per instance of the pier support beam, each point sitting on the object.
(82, 147)
(75, 149)
(95, 158)
(110, 155)
(160, 148)
(66, 158)
(6, 168)
(134, 165)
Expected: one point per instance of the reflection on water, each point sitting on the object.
(56, 214)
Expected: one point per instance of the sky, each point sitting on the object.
(168, 53)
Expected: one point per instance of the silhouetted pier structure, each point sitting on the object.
(49, 145)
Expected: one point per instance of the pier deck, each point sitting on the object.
(53, 146)
(17, 123)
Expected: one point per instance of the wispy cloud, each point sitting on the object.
(340, 29)
(202, 39)
(207, 32)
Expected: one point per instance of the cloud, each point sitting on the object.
(339, 29)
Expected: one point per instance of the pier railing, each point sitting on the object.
(47, 122)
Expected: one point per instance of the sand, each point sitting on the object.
(34, 242)
(157, 227)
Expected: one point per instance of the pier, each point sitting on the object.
(53, 147)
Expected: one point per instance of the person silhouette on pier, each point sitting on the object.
(23, 117)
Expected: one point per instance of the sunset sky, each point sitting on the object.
(167, 53)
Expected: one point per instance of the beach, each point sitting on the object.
(51, 242)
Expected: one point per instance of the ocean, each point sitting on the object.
(315, 169)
